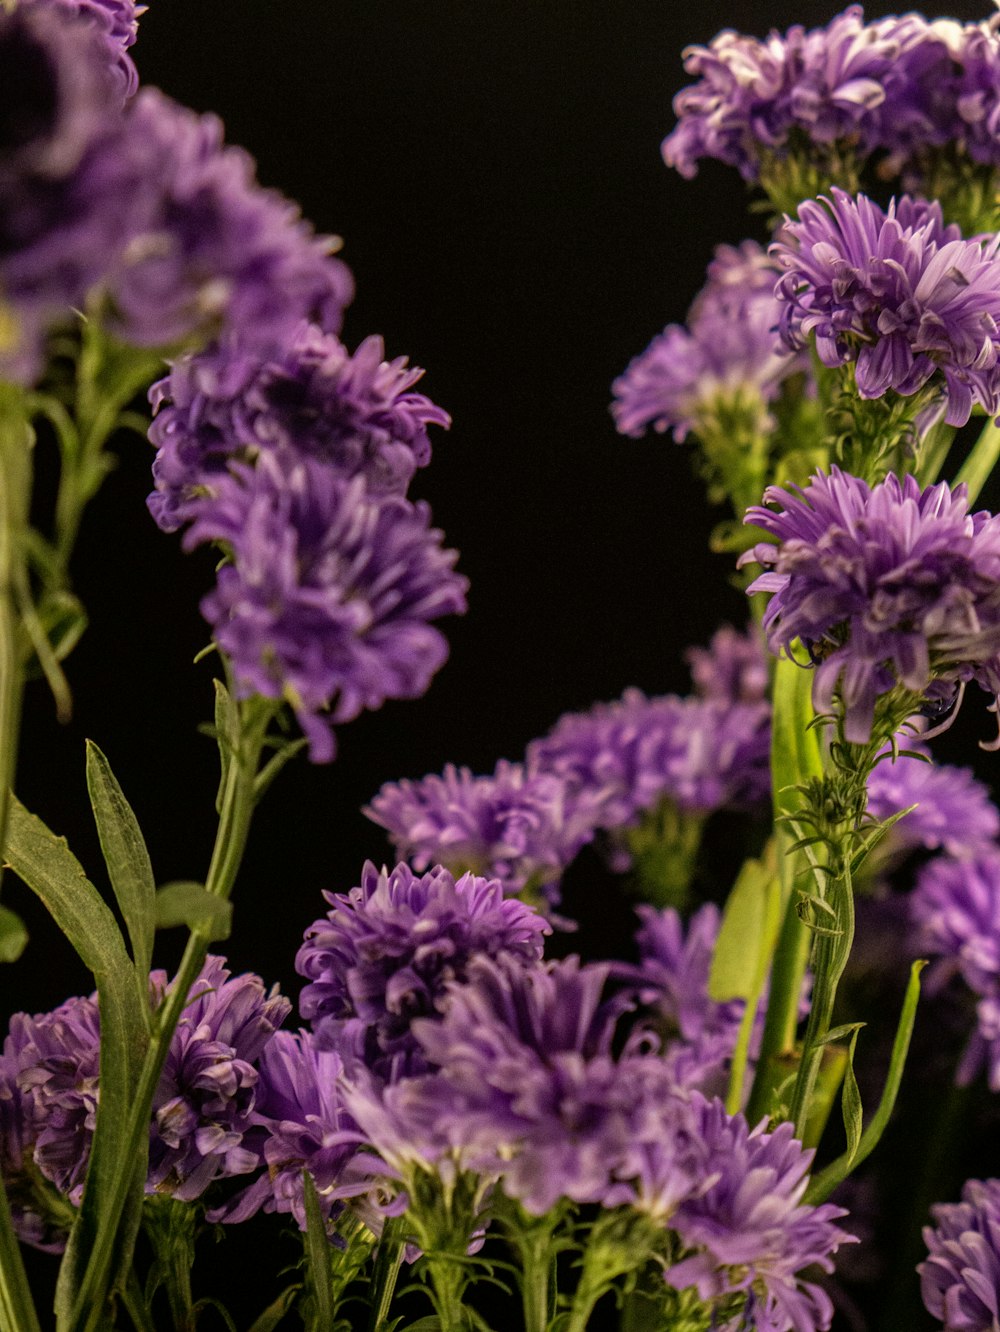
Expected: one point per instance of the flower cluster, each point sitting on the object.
(885, 586)
(386, 951)
(890, 90)
(903, 298)
(960, 1278)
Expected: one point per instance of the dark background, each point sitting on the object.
(494, 170)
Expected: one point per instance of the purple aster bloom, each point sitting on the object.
(734, 668)
(623, 758)
(956, 903)
(960, 1279)
(518, 826)
(909, 302)
(356, 412)
(51, 1064)
(749, 1229)
(387, 950)
(728, 358)
(327, 598)
(116, 24)
(886, 585)
(301, 1123)
(954, 811)
(209, 249)
(204, 1103)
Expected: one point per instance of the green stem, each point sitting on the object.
(976, 469)
(448, 1282)
(235, 814)
(17, 1309)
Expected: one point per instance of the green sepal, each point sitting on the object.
(53, 873)
(827, 1180)
(187, 903)
(13, 935)
(126, 857)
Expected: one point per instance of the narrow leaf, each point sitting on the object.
(850, 1101)
(125, 855)
(747, 934)
(873, 838)
(185, 903)
(275, 1311)
(226, 728)
(13, 935)
(274, 765)
(836, 1034)
(53, 873)
(827, 1180)
(317, 1248)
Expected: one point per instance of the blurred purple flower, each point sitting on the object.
(385, 953)
(327, 598)
(885, 585)
(908, 301)
(204, 1103)
(310, 396)
(729, 357)
(116, 24)
(954, 811)
(518, 825)
(749, 1230)
(734, 668)
(960, 1278)
(623, 758)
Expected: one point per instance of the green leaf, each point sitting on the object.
(850, 1102)
(839, 1033)
(227, 729)
(317, 1252)
(125, 855)
(275, 1311)
(827, 1180)
(873, 838)
(53, 873)
(13, 935)
(274, 765)
(796, 753)
(190, 904)
(747, 934)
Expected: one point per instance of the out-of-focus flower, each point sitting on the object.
(386, 951)
(328, 594)
(310, 396)
(518, 825)
(116, 23)
(886, 586)
(733, 668)
(960, 1278)
(954, 812)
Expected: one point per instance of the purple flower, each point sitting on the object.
(960, 1279)
(954, 811)
(623, 758)
(328, 594)
(50, 1067)
(300, 1124)
(886, 585)
(204, 1103)
(909, 302)
(749, 1229)
(957, 905)
(517, 826)
(116, 24)
(310, 396)
(734, 668)
(529, 1088)
(728, 360)
(387, 950)
(894, 88)
(209, 250)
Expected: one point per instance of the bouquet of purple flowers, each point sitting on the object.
(466, 1126)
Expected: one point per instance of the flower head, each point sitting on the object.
(906, 300)
(328, 594)
(733, 668)
(385, 953)
(749, 1230)
(885, 585)
(116, 25)
(960, 1278)
(309, 396)
(954, 812)
(518, 826)
(728, 359)
(204, 1103)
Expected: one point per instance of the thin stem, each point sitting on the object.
(976, 469)
(235, 814)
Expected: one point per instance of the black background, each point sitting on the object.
(494, 169)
